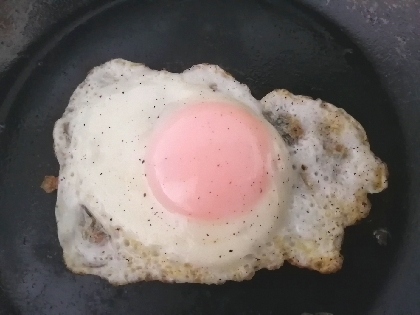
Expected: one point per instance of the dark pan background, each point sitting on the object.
(328, 49)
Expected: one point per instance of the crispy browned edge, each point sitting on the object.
(50, 184)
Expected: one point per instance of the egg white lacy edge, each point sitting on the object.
(336, 170)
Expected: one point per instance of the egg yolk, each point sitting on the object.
(209, 160)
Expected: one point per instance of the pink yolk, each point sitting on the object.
(210, 160)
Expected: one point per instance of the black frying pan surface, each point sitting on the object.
(263, 45)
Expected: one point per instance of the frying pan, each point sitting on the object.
(362, 56)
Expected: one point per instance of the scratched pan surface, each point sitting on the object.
(265, 45)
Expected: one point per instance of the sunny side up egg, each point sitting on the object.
(187, 178)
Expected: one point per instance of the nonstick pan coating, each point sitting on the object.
(264, 45)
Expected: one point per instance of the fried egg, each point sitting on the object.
(186, 177)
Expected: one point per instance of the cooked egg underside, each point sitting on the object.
(329, 153)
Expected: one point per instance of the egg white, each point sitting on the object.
(110, 224)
